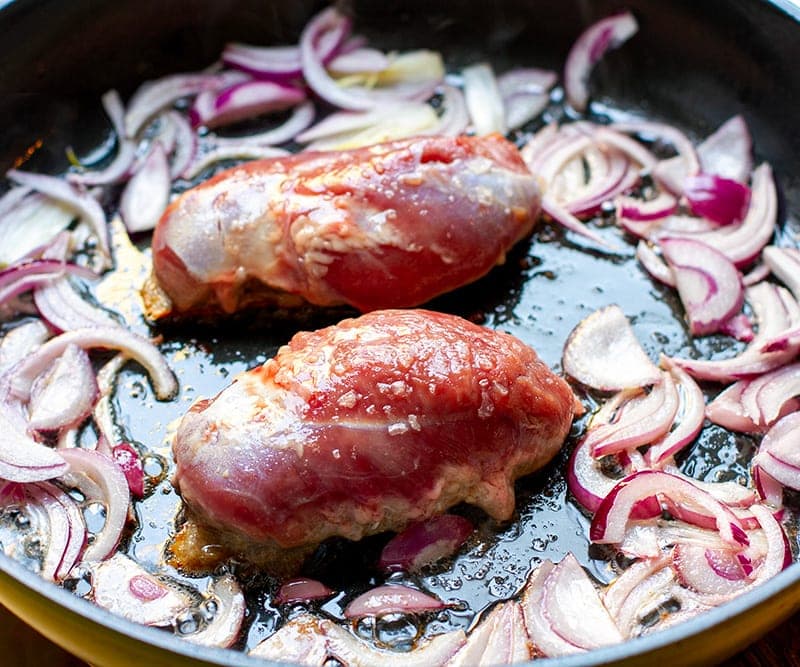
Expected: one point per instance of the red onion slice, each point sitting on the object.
(391, 599)
(20, 341)
(425, 542)
(567, 220)
(135, 346)
(82, 203)
(728, 152)
(301, 117)
(484, 101)
(708, 283)
(588, 49)
(223, 629)
(130, 462)
(31, 222)
(695, 568)
(22, 459)
(64, 395)
(739, 326)
(241, 101)
(128, 590)
(611, 519)
(120, 167)
(231, 151)
(66, 529)
(624, 585)
(300, 641)
(28, 275)
(595, 346)
(572, 605)
(653, 264)
(784, 263)
(722, 200)
(361, 60)
(646, 210)
(147, 193)
(268, 62)
(302, 590)
(778, 454)
(108, 476)
(526, 93)
(764, 398)
(499, 639)
(65, 309)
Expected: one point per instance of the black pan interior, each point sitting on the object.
(692, 64)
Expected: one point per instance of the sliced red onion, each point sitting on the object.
(103, 416)
(588, 49)
(22, 459)
(765, 398)
(241, 101)
(739, 327)
(784, 263)
(66, 529)
(604, 185)
(653, 264)
(544, 638)
(29, 223)
(595, 346)
(121, 166)
(499, 639)
(154, 96)
(82, 203)
(743, 242)
(129, 461)
(64, 395)
(300, 641)
(224, 627)
(19, 342)
(425, 542)
(231, 151)
(128, 590)
(777, 455)
(727, 410)
(109, 478)
(567, 220)
(147, 193)
(185, 143)
(708, 283)
(346, 122)
(776, 312)
(728, 152)
(525, 92)
(722, 200)
(688, 421)
(358, 61)
(302, 590)
(611, 519)
(267, 62)
(484, 101)
(391, 599)
(28, 275)
(135, 346)
(611, 137)
(65, 309)
(646, 210)
(625, 584)
(301, 117)
(697, 570)
(572, 605)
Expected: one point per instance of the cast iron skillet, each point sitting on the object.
(693, 64)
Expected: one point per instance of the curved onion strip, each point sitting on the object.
(693, 565)
(620, 589)
(564, 218)
(66, 529)
(455, 118)
(30, 225)
(122, 164)
(231, 151)
(611, 519)
(709, 285)
(552, 161)
(64, 395)
(341, 123)
(653, 263)
(300, 641)
(525, 93)
(742, 242)
(360, 60)
(764, 398)
(302, 590)
(185, 143)
(223, 629)
(777, 455)
(769, 488)
(127, 457)
(242, 101)
(125, 588)
(784, 263)
(758, 273)
(728, 152)
(595, 346)
(483, 98)
(82, 203)
(133, 345)
(301, 117)
(19, 342)
(721, 200)
(109, 477)
(425, 542)
(542, 635)
(640, 421)
(646, 210)
(618, 178)
(774, 311)
(588, 49)
(731, 493)
(64, 309)
(103, 417)
(153, 96)
(739, 326)
(633, 149)
(689, 418)
(22, 459)
(572, 605)
(146, 195)
(391, 599)
(499, 639)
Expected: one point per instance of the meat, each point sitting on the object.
(386, 226)
(367, 426)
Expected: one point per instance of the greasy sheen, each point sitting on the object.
(386, 226)
(368, 425)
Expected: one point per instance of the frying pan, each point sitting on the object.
(693, 64)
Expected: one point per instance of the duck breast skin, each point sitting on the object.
(368, 425)
(386, 226)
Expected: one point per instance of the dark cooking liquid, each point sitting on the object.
(547, 285)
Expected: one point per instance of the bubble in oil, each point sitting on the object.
(398, 632)
(79, 581)
(189, 622)
(33, 547)
(209, 609)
